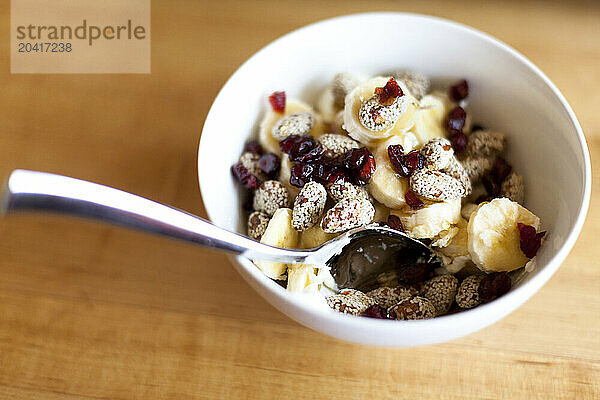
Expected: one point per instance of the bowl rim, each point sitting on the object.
(520, 294)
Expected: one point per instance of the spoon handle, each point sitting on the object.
(40, 191)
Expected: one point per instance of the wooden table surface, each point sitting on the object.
(90, 311)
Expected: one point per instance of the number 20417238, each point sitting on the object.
(44, 47)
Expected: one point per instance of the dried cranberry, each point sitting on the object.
(458, 140)
(253, 147)
(306, 154)
(239, 171)
(530, 241)
(491, 185)
(331, 170)
(269, 164)
(526, 232)
(414, 160)
(252, 183)
(301, 174)
(375, 311)
(361, 176)
(393, 221)
(414, 273)
(244, 176)
(405, 165)
(456, 119)
(318, 171)
(501, 169)
(303, 145)
(361, 164)
(335, 177)
(338, 177)
(277, 100)
(412, 200)
(286, 144)
(396, 155)
(301, 148)
(493, 285)
(493, 180)
(389, 92)
(355, 158)
(459, 91)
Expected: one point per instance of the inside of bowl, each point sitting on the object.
(507, 94)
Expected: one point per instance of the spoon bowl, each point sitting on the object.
(361, 255)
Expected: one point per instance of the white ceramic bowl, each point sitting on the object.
(507, 92)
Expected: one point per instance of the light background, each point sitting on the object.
(89, 311)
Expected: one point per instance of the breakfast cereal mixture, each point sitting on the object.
(391, 150)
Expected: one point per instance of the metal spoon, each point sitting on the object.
(356, 257)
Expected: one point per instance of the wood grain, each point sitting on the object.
(96, 312)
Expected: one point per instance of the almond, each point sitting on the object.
(257, 224)
(298, 123)
(377, 117)
(476, 167)
(435, 185)
(456, 170)
(438, 153)
(412, 308)
(336, 145)
(513, 187)
(389, 296)
(468, 292)
(485, 143)
(270, 196)
(346, 190)
(308, 206)
(349, 301)
(440, 291)
(348, 214)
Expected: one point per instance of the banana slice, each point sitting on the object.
(326, 105)
(493, 236)
(444, 238)
(267, 141)
(407, 120)
(308, 279)
(301, 277)
(354, 101)
(279, 233)
(385, 185)
(429, 221)
(429, 123)
(314, 236)
(381, 212)
(455, 256)
(458, 245)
